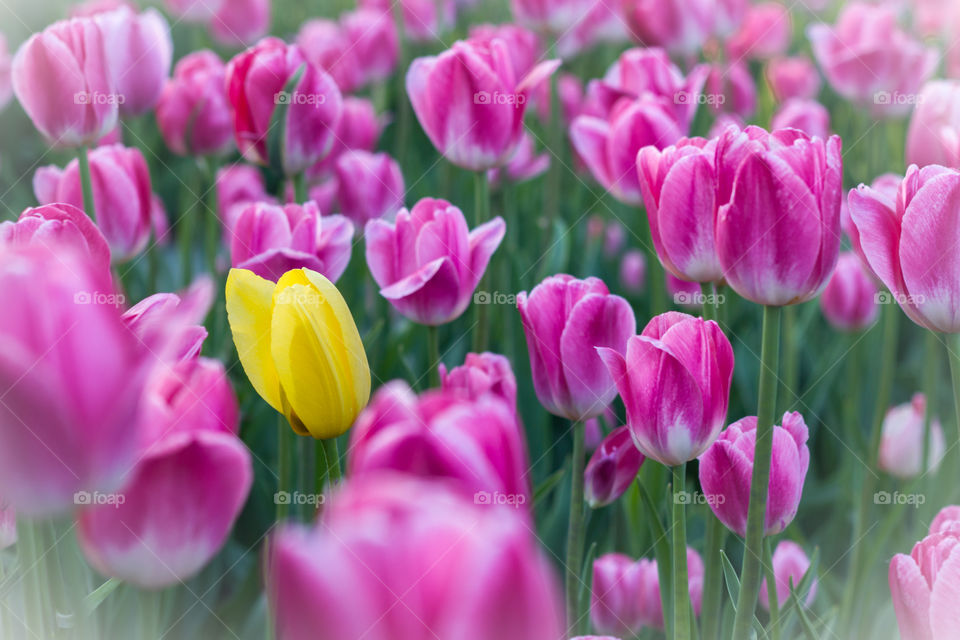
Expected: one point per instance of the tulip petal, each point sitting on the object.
(249, 301)
(687, 217)
(944, 613)
(911, 598)
(429, 295)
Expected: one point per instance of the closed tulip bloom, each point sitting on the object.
(270, 240)
(946, 520)
(62, 79)
(849, 302)
(300, 348)
(778, 228)
(651, 601)
(173, 322)
(730, 88)
(139, 51)
(612, 468)
(901, 441)
(908, 243)
(237, 186)
(480, 374)
(58, 225)
(726, 472)
(674, 380)
(358, 130)
(324, 44)
(189, 440)
(121, 192)
(869, 59)
(423, 20)
(679, 26)
(257, 84)
(633, 272)
(793, 78)
(372, 35)
(790, 564)
(195, 10)
(370, 186)
(764, 33)
(565, 320)
(445, 567)
(193, 114)
(239, 23)
(427, 263)
(808, 116)
(934, 133)
(925, 586)
(470, 102)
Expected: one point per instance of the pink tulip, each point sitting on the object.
(901, 442)
(679, 26)
(193, 114)
(793, 78)
(525, 163)
(138, 50)
(946, 521)
(172, 323)
(908, 243)
(888, 184)
(428, 262)
(479, 375)
(726, 471)
(423, 20)
(929, 16)
(6, 73)
(849, 302)
(58, 225)
(612, 468)
(869, 59)
(163, 529)
(523, 45)
(675, 383)
(257, 84)
(271, 240)
(195, 10)
(730, 88)
(934, 133)
(62, 79)
(237, 186)
(470, 102)
(603, 23)
(778, 228)
(373, 36)
(324, 44)
(444, 567)
(240, 23)
(121, 191)
(808, 116)
(95, 7)
(633, 272)
(925, 587)
(359, 129)
(790, 564)
(370, 186)
(564, 320)
(764, 33)
(684, 293)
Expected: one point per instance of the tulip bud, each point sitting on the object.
(480, 374)
(565, 320)
(924, 586)
(428, 262)
(726, 472)
(239, 22)
(934, 133)
(901, 441)
(300, 348)
(193, 114)
(370, 186)
(764, 33)
(793, 78)
(808, 116)
(790, 564)
(849, 302)
(372, 35)
(59, 225)
(679, 26)
(612, 467)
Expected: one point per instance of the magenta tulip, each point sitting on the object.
(730, 89)
(684, 293)
(62, 79)
(138, 50)
(808, 116)
(612, 468)
(359, 129)
(901, 441)
(565, 319)
(237, 186)
(480, 374)
(271, 240)
(428, 262)
(633, 272)
(370, 186)
(934, 133)
(423, 20)
(470, 102)
(257, 84)
(121, 191)
(790, 564)
(444, 567)
(193, 114)
(58, 225)
(525, 163)
(240, 23)
(160, 530)
(172, 323)
(925, 587)
(372, 35)
(726, 471)
(793, 78)
(324, 44)
(674, 380)
(849, 302)
(764, 33)
(679, 26)
(778, 228)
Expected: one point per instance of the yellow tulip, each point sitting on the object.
(300, 348)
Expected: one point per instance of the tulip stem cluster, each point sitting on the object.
(681, 597)
(575, 530)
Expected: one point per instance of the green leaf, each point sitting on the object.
(277, 133)
(661, 549)
(546, 487)
(733, 587)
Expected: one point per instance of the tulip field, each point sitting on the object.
(480, 319)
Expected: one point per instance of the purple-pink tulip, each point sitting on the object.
(257, 85)
(730, 89)
(370, 186)
(925, 587)
(612, 468)
(471, 103)
(793, 78)
(121, 192)
(565, 320)
(934, 133)
(444, 567)
(849, 302)
(726, 472)
(193, 114)
(901, 440)
(62, 79)
(238, 186)
(58, 225)
(525, 163)
(480, 374)
(808, 116)
(679, 26)
(172, 323)
(778, 227)
(764, 33)
(240, 23)
(358, 130)
(633, 272)
(271, 240)
(428, 262)
(361, 48)
(790, 564)
(674, 379)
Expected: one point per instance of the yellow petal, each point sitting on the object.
(249, 307)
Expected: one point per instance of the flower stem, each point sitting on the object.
(433, 355)
(752, 558)
(481, 214)
(575, 530)
(681, 589)
(86, 182)
(771, 590)
(300, 193)
(954, 357)
(328, 452)
(284, 465)
(930, 380)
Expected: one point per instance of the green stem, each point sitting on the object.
(285, 437)
(710, 305)
(681, 588)
(433, 355)
(930, 379)
(30, 556)
(575, 530)
(150, 613)
(213, 216)
(481, 214)
(771, 591)
(98, 595)
(712, 579)
(86, 182)
(332, 455)
(300, 193)
(954, 357)
(750, 575)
